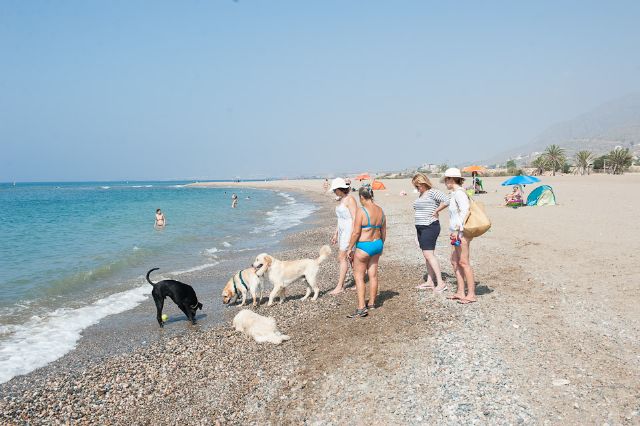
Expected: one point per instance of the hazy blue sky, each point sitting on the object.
(214, 89)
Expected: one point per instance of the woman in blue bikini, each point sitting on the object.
(368, 235)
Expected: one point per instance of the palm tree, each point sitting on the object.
(583, 161)
(620, 159)
(541, 164)
(555, 157)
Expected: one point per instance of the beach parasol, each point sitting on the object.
(520, 180)
(477, 169)
(363, 176)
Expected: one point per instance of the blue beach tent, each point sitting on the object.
(542, 196)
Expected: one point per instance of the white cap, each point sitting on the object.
(338, 183)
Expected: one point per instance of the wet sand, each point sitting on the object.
(552, 339)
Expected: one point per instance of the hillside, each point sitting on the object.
(615, 123)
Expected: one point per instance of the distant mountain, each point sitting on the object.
(615, 123)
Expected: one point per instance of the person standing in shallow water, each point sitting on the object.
(427, 206)
(160, 219)
(234, 201)
(368, 236)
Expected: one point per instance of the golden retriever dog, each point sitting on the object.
(246, 281)
(261, 329)
(281, 273)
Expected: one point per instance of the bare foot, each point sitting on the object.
(467, 301)
(456, 296)
(441, 288)
(424, 286)
(337, 290)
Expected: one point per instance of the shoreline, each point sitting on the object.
(544, 343)
(124, 331)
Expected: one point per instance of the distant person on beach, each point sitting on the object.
(368, 235)
(325, 186)
(161, 221)
(234, 201)
(427, 206)
(514, 196)
(346, 212)
(458, 210)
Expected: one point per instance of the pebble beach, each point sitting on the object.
(553, 338)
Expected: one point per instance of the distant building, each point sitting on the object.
(428, 167)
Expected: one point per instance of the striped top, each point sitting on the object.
(426, 204)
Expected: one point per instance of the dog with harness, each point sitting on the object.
(246, 281)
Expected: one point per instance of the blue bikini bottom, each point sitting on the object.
(372, 248)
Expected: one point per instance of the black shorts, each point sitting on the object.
(427, 235)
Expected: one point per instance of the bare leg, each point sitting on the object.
(433, 267)
(372, 270)
(344, 267)
(465, 266)
(455, 263)
(431, 274)
(360, 261)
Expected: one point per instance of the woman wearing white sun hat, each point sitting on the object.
(458, 210)
(346, 213)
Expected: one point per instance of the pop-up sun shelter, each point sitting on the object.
(542, 196)
(377, 185)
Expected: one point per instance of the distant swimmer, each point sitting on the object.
(161, 221)
(234, 201)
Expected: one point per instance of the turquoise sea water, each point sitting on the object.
(73, 253)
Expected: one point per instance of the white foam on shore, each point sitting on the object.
(194, 269)
(226, 244)
(211, 252)
(42, 340)
(286, 216)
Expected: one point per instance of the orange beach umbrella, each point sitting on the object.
(363, 176)
(477, 169)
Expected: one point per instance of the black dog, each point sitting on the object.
(182, 295)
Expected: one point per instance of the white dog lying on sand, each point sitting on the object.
(262, 329)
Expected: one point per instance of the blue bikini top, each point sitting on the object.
(369, 225)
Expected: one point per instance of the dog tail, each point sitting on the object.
(325, 251)
(150, 271)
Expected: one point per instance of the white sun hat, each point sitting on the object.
(452, 172)
(338, 183)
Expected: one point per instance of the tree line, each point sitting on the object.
(554, 159)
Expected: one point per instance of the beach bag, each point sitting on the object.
(477, 222)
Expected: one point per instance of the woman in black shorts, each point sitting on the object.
(427, 206)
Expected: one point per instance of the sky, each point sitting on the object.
(144, 90)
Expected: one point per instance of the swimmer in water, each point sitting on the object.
(160, 219)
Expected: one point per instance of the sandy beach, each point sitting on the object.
(553, 338)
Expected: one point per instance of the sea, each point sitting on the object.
(72, 254)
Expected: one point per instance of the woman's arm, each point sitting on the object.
(383, 229)
(442, 199)
(356, 231)
(462, 200)
(351, 205)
